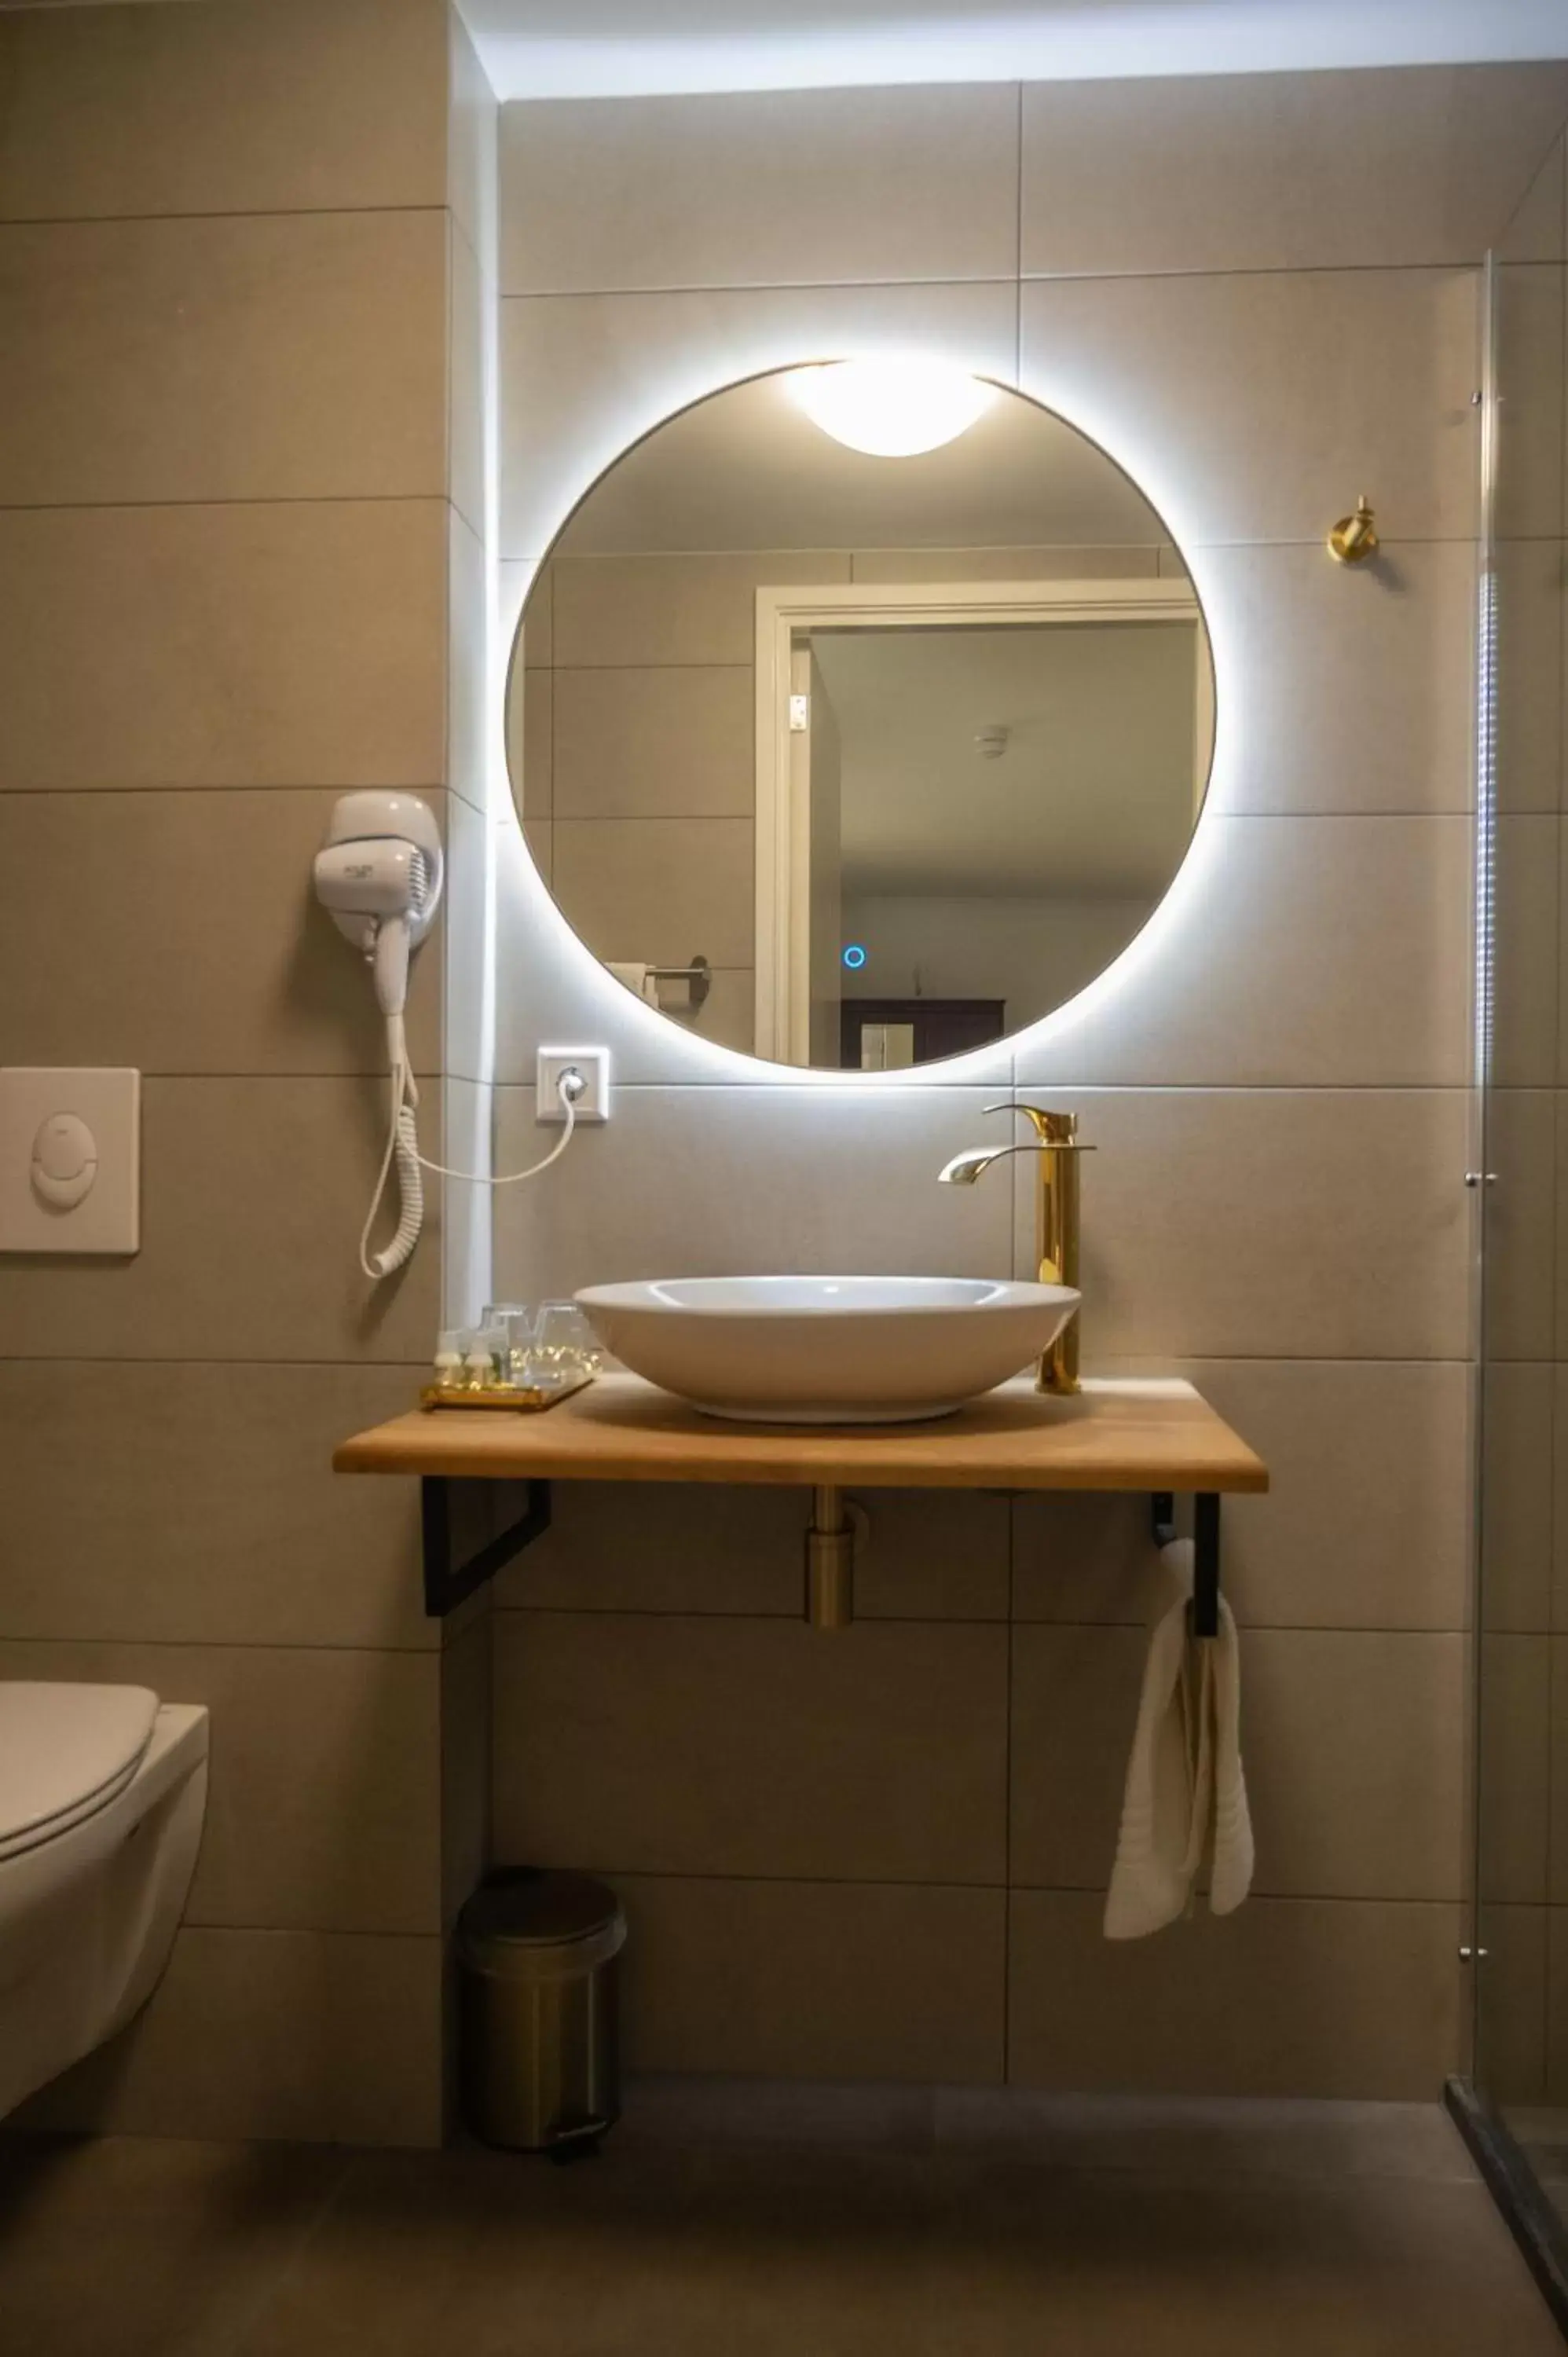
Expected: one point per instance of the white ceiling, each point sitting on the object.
(595, 49)
(1093, 796)
(748, 469)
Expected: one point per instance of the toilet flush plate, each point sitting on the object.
(69, 1160)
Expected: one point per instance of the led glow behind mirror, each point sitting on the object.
(825, 756)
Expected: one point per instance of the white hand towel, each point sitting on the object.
(1185, 1785)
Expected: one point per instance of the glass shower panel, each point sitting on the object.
(1519, 1939)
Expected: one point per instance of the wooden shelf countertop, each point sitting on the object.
(1116, 1434)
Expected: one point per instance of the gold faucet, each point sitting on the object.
(1056, 1220)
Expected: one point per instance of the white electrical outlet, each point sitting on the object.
(594, 1063)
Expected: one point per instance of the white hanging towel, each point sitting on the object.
(1185, 1793)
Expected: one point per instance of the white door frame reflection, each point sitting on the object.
(785, 620)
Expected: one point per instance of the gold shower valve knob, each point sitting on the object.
(1355, 537)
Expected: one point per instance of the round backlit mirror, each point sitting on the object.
(861, 714)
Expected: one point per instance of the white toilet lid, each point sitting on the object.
(62, 1748)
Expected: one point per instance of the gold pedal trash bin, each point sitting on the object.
(538, 1963)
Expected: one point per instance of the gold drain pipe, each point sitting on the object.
(830, 1559)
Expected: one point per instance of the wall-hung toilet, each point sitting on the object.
(102, 1791)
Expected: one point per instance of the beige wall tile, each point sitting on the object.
(1281, 171)
(1355, 1765)
(1208, 1232)
(466, 1740)
(727, 1017)
(1230, 400)
(290, 644)
(1527, 587)
(1527, 872)
(1512, 1772)
(254, 1193)
(661, 890)
(1335, 951)
(323, 1805)
(1382, 1544)
(465, 381)
(1538, 228)
(212, 1514)
(1285, 620)
(470, 723)
(1111, 563)
(471, 129)
(773, 188)
(788, 1179)
(583, 377)
(677, 1548)
(217, 960)
(644, 1743)
(540, 837)
(815, 1980)
(1286, 1998)
(1517, 1476)
(300, 356)
(643, 744)
(1529, 364)
(690, 609)
(300, 2035)
(1557, 2004)
(1353, 1776)
(465, 945)
(272, 105)
(1511, 2005)
(1519, 1214)
(531, 758)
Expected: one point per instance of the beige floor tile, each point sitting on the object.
(658, 890)
(1318, 953)
(1207, 1227)
(1364, 1524)
(217, 962)
(297, 356)
(1280, 171)
(276, 644)
(213, 1516)
(1289, 1997)
(187, 2241)
(583, 377)
(254, 1195)
(813, 1980)
(306, 2036)
(675, 743)
(261, 110)
(702, 1744)
(1227, 397)
(323, 1804)
(764, 187)
(688, 607)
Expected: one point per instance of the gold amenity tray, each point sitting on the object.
(523, 1399)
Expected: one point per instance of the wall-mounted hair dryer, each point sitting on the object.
(380, 874)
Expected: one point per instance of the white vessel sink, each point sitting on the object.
(827, 1350)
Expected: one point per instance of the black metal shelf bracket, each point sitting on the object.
(1204, 1552)
(449, 1584)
